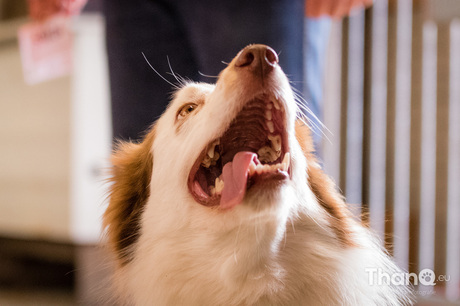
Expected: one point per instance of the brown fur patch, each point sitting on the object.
(130, 176)
(324, 189)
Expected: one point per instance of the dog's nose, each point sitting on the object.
(256, 57)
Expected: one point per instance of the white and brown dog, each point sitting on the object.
(223, 203)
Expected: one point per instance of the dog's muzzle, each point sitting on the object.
(253, 149)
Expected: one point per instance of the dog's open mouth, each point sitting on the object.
(252, 150)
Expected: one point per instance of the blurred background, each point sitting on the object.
(391, 105)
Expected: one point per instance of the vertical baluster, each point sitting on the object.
(332, 103)
(428, 149)
(377, 122)
(453, 216)
(416, 132)
(354, 112)
(402, 133)
(442, 138)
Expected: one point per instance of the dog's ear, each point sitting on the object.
(325, 189)
(131, 172)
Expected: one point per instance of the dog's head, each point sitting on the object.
(224, 203)
(219, 156)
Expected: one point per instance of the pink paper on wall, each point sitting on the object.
(46, 49)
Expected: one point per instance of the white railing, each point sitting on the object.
(392, 104)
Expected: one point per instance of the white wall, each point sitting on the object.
(91, 129)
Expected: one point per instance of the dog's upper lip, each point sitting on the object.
(253, 148)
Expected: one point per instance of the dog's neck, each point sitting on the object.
(253, 247)
(245, 245)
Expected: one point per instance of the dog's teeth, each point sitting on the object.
(270, 126)
(260, 168)
(211, 156)
(206, 162)
(268, 115)
(211, 151)
(219, 185)
(276, 104)
(215, 158)
(286, 161)
(263, 168)
(252, 168)
(212, 190)
(267, 154)
(269, 106)
(282, 167)
(275, 142)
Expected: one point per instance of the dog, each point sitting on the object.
(224, 203)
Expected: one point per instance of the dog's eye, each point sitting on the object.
(186, 110)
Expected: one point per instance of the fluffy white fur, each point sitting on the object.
(278, 247)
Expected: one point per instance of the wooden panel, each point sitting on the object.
(442, 138)
(366, 111)
(443, 10)
(344, 105)
(453, 216)
(416, 136)
(390, 124)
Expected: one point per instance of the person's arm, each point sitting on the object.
(333, 8)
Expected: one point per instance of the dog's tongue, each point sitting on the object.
(235, 177)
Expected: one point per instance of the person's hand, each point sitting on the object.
(72, 7)
(333, 8)
(42, 9)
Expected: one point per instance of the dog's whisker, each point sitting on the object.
(184, 80)
(301, 115)
(302, 105)
(164, 79)
(178, 78)
(314, 127)
(312, 124)
(207, 75)
(308, 121)
(172, 71)
(225, 63)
